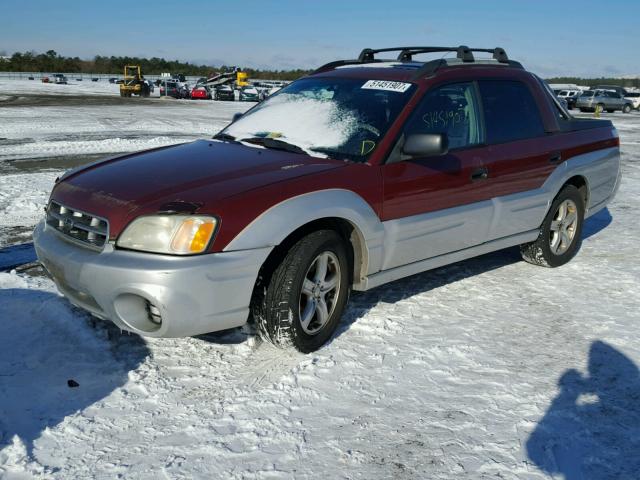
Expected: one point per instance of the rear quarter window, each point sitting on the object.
(510, 111)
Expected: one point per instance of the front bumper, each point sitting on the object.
(193, 295)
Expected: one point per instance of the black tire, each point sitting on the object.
(275, 306)
(539, 252)
(626, 108)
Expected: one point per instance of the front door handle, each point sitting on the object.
(479, 174)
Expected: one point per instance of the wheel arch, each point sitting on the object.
(350, 234)
(582, 184)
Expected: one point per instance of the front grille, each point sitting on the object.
(79, 226)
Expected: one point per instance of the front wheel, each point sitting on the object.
(626, 108)
(301, 302)
(560, 233)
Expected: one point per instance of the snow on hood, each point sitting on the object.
(305, 122)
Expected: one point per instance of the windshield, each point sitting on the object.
(326, 117)
(588, 93)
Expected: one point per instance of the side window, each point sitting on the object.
(510, 111)
(450, 109)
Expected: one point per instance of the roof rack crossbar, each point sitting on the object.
(463, 53)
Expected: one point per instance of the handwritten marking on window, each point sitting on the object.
(443, 118)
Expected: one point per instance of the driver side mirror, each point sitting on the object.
(425, 145)
(236, 117)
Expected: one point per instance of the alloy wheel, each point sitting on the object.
(319, 293)
(563, 227)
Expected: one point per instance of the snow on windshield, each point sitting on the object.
(307, 122)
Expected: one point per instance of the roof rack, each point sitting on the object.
(463, 53)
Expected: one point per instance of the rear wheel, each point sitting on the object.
(301, 302)
(560, 233)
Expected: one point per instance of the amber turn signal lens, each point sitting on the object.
(193, 235)
(201, 238)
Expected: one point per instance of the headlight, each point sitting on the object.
(173, 234)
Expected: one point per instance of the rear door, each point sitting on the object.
(615, 100)
(517, 155)
(433, 205)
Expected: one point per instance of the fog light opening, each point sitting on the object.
(138, 313)
(154, 314)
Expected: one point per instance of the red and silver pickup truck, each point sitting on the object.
(366, 171)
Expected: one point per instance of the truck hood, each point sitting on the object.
(201, 173)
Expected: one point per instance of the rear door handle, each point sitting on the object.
(555, 157)
(479, 174)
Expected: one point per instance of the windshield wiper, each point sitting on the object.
(275, 143)
(225, 137)
(338, 155)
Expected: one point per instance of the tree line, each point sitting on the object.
(51, 62)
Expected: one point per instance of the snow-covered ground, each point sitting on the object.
(101, 122)
(14, 86)
(489, 368)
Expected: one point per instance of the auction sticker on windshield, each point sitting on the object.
(385, 85)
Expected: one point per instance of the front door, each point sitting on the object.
(434, 205)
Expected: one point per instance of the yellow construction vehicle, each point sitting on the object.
(133, 82)
(242, 79)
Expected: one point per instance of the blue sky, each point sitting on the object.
(585, 37)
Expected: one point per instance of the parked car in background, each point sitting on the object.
(607, 100)
(570, 96)
(112, 80)
(249, 94)
(201, 93)
(59, 79)
(353, 177)
(224, 92)
(614, 88)
(170, 89)
(634, 98)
